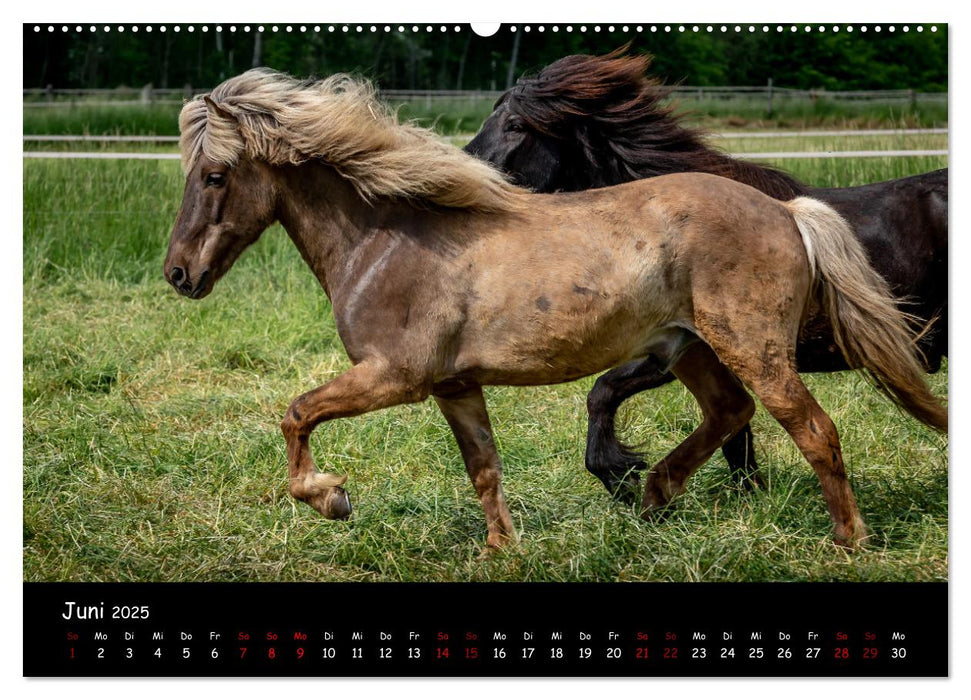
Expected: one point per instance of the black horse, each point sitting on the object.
(592, 121)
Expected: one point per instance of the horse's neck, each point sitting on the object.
(325, 218)
(687, 152)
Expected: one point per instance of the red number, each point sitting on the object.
(242, 652)
(299, 652)
(271, 653)
(670, 652)
(870, 652)
(441, 652)
(841, 653)
(640, 652)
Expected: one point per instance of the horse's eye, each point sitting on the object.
(215, 180)
(514, 126)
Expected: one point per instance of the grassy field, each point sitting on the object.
(152, 450)
(464, 116)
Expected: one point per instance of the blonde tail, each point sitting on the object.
(869, 328)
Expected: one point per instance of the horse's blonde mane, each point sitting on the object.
(269, 116)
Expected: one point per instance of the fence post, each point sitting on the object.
(769, 93)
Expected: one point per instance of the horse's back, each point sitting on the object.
(591, 277)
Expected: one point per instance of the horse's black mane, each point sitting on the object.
(614, 112)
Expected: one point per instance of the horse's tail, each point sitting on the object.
(869, 328)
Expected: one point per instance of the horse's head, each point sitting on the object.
(224, 209)
(590, 121)
(531, 158)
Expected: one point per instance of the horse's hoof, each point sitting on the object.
(627, 491)
(500, 545)
(748, 481)
(338, 504)
(854, 540)
(656, 514)
(655, 498)
(323, 493)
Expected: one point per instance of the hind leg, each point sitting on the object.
(726, 407)
(768, 368)
(739, 452)
(615, 464)
(790, 403)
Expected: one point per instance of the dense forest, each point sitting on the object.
(449, 60)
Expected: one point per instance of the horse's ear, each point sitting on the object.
(216, 110)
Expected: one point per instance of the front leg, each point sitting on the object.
(371, 385)
(465, 411)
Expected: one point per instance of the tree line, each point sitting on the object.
(462, 60)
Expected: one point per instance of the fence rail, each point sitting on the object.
(112, 138)
(37, 97)
(769, 155)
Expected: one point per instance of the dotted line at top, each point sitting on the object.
(373, 28)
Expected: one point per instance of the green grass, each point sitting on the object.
(466, 115)
(156, 120)
(804, 113)
(152, 450)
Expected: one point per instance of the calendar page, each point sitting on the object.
(533, 349)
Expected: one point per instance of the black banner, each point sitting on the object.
(495, 629)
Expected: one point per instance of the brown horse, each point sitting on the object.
(594, 121)
(444, 278)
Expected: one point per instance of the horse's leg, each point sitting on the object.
(767, 365)
(739, 452)
(789, 401)
(466, 414)
(614, 463)
(725, 407)
(365, 387)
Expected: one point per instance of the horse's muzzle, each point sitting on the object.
(179, 279)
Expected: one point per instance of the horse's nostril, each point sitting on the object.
(176, 275)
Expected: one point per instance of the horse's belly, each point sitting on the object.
(561, 338)
(561, 304)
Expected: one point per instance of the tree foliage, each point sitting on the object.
(462, 60)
